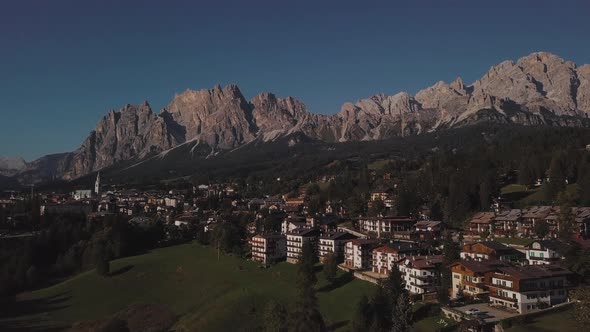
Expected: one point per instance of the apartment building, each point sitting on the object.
(468, 277)
(386, 226)
(386, 257)
(420, 273)
(524, 289)
(268, 248)
(296, 239)
(358, 253)
(333, 243)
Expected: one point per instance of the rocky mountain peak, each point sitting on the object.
(458, 85)
(540, 88)
(11, 165)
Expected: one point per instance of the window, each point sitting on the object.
(542, 255)
(532, 254)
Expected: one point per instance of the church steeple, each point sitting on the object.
(97, 185)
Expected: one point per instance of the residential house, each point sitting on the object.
(490, 250)
(384, 194)
(428, 229)
(507, 222)
(543, 252)
(531, 216)
(481, 223)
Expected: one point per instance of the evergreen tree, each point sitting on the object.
(457, 204)
(556, 181)
(565, 220)
(451, 253)
(526, 174)
(393, 285)
(362, 317)
(32, 276)
(306, 315)
(485, 194)
(401, 314)
(381, 310)
(102, 259)
(331, 267)
(541, 228)
(275, 317)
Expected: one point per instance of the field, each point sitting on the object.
(559, 321)
(523, 197)
(206, 293)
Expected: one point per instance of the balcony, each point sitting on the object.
(503, 298)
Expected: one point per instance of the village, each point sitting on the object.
(508, 262)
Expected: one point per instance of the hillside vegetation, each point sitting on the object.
(207, 294)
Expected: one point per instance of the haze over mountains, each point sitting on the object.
(539, 89)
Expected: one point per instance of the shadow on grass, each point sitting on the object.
(337, 325)
(517, 195)
(318, 268)
(28, 315)
(121, 270)
(340, 281)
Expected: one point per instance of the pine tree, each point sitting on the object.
(401, 314)
(331, 267)
(381, 310)
(541, 228)
(102, 259)
(275, 317)
(457, 204)
(362, 317)
(556, 178)
(526, 175)
(451, 253)
(566, 219)
(393, 285)
(306, 315)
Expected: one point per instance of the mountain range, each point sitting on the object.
(538, 89)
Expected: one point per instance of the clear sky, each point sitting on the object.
(64, 64)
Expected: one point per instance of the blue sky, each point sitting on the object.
(64, 64)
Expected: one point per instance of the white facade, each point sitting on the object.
(537, 254)
(268, 248)
(524, 302)
(295, 243)
(358, 254)
(420, 273)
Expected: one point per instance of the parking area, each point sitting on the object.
(487, 313)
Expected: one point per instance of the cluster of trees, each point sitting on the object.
(388, 310)
(304, 314)
(70, 244)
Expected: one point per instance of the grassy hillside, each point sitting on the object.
(523, 196)
(559, 321)
(207, 294)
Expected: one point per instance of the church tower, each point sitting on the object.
(97, 185)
